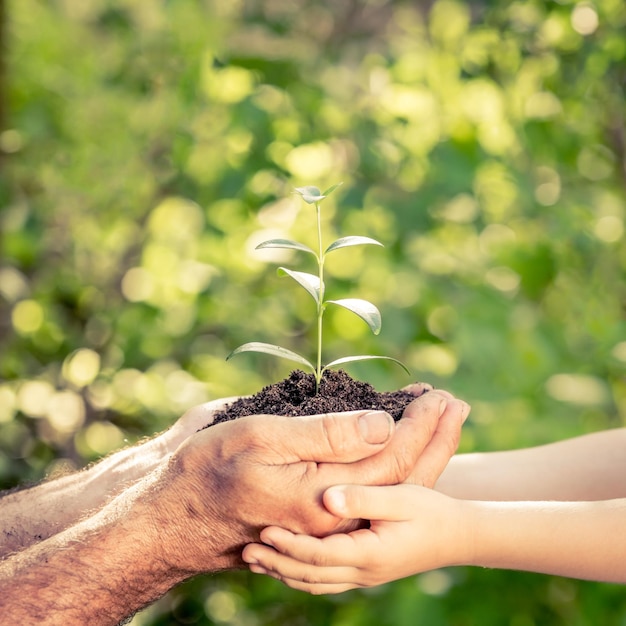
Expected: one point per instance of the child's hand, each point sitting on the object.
(413, 529)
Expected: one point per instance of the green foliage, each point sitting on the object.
(314, 285)
(146, 144)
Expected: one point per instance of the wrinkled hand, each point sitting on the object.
(192, 421)
(224, 484)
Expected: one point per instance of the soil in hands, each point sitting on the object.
(295, 395)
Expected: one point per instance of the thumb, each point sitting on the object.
(336, 437)
(389, 503)
(397, 460)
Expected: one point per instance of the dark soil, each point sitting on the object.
(295, 395)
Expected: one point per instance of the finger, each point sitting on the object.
(389, 503)
(316, 570)
(337, 437)
(396, 461)
(442, 446)
(312, 588)
(258, 556)
(330, 551)
(417, 389)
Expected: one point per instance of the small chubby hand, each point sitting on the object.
(412, 529)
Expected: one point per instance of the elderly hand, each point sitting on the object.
(224, 484)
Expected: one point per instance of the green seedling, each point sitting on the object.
(313, 284)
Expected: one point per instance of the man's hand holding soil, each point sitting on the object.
(241, 476)
(195, 510)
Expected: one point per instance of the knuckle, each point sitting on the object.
(453, 441)
(402, 464)
(319, 560)
(335, 431)
(426, 426)
(310, 578)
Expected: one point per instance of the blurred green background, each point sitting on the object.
(147, 146)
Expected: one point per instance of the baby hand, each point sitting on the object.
(413, 529)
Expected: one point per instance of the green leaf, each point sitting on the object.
(285, 243)
(344, 242)
(309, 281)
(365, 357)
(364, 309)
(268, 348)
(310, 194)
(331, 189)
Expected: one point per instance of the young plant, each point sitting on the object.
(314, 286)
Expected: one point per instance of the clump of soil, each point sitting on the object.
(295, 395)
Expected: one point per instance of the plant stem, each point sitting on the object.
(320, 304)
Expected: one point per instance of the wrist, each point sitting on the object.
(460, 538)
(474, 517)
(495, 528)
(190, 531)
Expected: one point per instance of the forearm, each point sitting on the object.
(34, 514)
(591, 467)
(97, 572)
(575, 539)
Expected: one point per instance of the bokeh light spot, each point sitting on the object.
(584, 19)
(27, 317)
(66, 411)
(102, 437)
(609, 228)
(312, 161)
(138, 284)
(221, 606)
(33, 397)
(577, 389)
(435, 583)
(81, 367)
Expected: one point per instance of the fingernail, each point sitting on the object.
(466, 411)
(335, 498)
(250, 560)
(375, 426)
(442, 407)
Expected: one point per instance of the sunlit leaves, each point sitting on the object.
(268, 348)
(331, 189)
(364, 309)
(311, 195)
(365, 357)
(310, 282)
(345, 242)
(313, 284)
(285, 243)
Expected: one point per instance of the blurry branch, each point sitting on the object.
(616, 118)
(617, 137)
(360, 21)
(3, 52)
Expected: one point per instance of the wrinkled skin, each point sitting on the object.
(226, 483)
